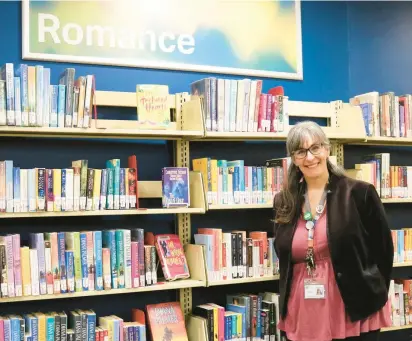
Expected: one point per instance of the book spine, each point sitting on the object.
(83, 184)
(34, 267)
(25, 108)
(61, 105)
(107, 282)
(17, 101)
(63, 189)
(46, 97)
(76, 188)
(39, 95)
(48, 263)
(41, 189)
(103, 189)
(16, 190)
(53, 95)
(57, 190)
(132, 187)
(2, 186)
(69, 189)
(9, 185)
(10, 266)
(120, 258)
(98, 259)
(77, 262)
(62, 262)
(96, 189)
(90, 260)
(127, 259)
(25, 270)
(17, 265)
(3, 270)
(135, 264)
(49, 190)
(89, 190)
(122, 189)
(7, 74)
(83, 259)
(70, 271)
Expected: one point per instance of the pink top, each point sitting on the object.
(321, 319)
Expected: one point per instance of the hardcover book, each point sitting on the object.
(172, 256)
(166, 322)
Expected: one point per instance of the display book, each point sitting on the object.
(162, 321)
(56, 263)
(29, 99)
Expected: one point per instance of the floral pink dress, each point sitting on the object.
(321, 319)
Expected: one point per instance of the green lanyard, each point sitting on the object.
(310, 226)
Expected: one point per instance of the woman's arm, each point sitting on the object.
(380, 237)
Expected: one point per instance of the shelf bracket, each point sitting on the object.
(183, 219)
(337, 150)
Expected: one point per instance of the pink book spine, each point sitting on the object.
(135, 264)
(107, 278)
(257, 105)
(90, 259)
(1, 329)
(17, 265)
(10, 266)
(55, 262)
(262, 112)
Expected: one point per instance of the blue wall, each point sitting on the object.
(380, 49)
(324, 57)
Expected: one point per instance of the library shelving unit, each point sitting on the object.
(344, 126)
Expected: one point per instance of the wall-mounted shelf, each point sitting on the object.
(243, 280)
(147, 190)
(194, 255)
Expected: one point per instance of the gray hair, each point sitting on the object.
(289, 200)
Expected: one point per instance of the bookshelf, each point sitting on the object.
(345, 126)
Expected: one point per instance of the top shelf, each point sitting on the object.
(345, 123)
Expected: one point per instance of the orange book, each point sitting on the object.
(166, 322)
(133, 181)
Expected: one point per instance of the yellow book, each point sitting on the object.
(239, 325)
(153, 109)
(57, 189)
(96, 188)
(41, 320)
(25, 270)
(203, 166)
(31, 94)
(213, 179)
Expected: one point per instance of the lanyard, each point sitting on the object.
(310, 226)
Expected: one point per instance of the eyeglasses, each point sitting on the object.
(314, 149)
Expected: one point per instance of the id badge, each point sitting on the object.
(314, 289)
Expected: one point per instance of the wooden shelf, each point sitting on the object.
(238, 207)
(391, 329)
(243, 280)
(402, 264)
(96, 133)
(396, 200)
(180, 284)
(382, 141)
(139, 211)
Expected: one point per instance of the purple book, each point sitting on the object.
(175, 187)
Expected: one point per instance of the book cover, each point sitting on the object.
(175, 187)
(166, 322)
(172, 256)
(153, 107)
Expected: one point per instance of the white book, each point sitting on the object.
(69, 189)
(226, 115)
(240, 101)
(34, 270)
(76, 189)
(227, 239)
(39, 95)
(245, 118)
(24, 201)
(47, 260)
(220, 104)
(17, 101)
(46, 97)
(127, 259)
(252, 105)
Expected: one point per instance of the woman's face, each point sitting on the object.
(311, 159)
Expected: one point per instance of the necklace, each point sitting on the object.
(310, 226)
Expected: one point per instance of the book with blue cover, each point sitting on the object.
(175, 187)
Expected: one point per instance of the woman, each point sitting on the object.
(334, 246)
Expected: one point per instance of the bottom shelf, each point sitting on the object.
(179, 284)
(243, 280)
(390, 329)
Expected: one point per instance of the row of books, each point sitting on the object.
(231, 182)
(391, 181)
(400, 297)
(243, 317)
(78, 324)
(231, 105)
(402, 245)
(66, 262)
(28, 99)
(77, 188)
(165, 321)
(237, 254)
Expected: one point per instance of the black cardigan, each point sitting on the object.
(360, 243)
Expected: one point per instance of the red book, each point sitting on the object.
(172, 256)
(133, 181)
(166, 322)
